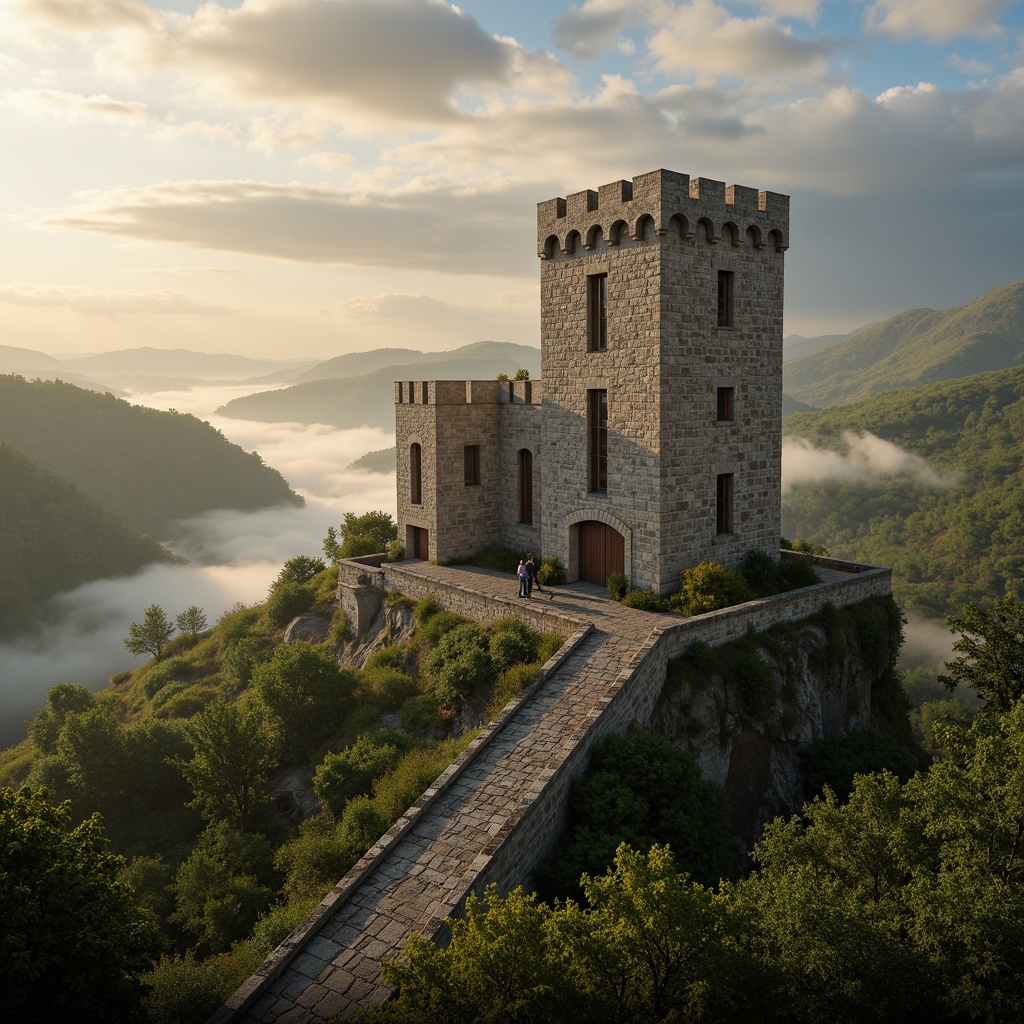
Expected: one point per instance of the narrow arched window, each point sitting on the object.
(525, 485)
(415, 475)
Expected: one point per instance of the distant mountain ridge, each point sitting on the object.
(151, 468)
(368, 399)
(915, 347)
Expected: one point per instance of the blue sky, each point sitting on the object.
(310, 177)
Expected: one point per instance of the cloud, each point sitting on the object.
(968, 66)
(173, 131)
(235, 555)
(411, 307)
(69, 106)
(584, 30)
(402, 60)
(936, 20)
(867, 460)
(425, 226)
(704, 40)
(106, 301)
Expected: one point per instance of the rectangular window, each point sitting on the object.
(725, 303)
(472, 462)
(726, 398)
(597, 441)
(426, 395)
(597, 312)
(724, 503)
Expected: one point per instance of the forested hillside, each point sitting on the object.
(915, 347)
(369, 399)
(148, 467)
(52, 538)
(953, 536)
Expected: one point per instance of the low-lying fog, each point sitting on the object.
(233, 556)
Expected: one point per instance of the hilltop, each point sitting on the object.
(915, 347)
(368, 399)
(151, 468)
(53, 538)
(952, 535)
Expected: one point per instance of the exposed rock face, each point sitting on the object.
(393, 625)
(814, 691)
(311, 628)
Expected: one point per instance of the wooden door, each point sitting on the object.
(602, 551)
(421, 543)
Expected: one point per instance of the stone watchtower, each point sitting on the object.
(661, 342)
(653, 441)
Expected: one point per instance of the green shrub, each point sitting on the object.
(425, 610)
(339, 777)
(300, 569)
(460, 661)
(797, 572)
(440, 623)
(708, 586)
(508, 685)
(618, 585)
(645, 600)
(550, 644)
(164, 672)
(413, 774)
(188, 703)
(312, 862)
(551, 571)
(395, 551)
(183, 990)
(511, 643)
(761, 571)
(754, 677)
(360, 827)
(387, 657)
(419, 714)
(165, 693)
(242, 655)
(286, 601)
(391, 686)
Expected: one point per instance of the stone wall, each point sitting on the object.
(662, 240)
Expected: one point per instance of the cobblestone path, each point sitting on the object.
(425, 875)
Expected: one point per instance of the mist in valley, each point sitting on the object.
(232, 556)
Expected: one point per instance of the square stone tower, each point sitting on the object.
(661, 341)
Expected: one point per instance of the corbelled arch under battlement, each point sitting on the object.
(663, 196)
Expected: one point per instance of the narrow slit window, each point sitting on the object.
(525, 486)
(725, 298)
(415, 475)
(726, 405)
(724, 503)
(472, 464)
(597, 312)
(597, 441)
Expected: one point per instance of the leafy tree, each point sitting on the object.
(305, 690)
(642, 791)
(360, 535)
(73, 941)
(300, 569)
(151, 635)
(991, 648)
(224, 885)
(232, 754)
(341, 776)
(287, 600)
(183, 990)
(192, 621)
(460, 661)
(62, 700)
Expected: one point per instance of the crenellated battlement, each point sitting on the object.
(662, 205)
(468, 392)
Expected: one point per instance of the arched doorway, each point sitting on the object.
(602, 550)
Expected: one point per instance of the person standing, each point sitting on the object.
(524, 579)
(531, 574)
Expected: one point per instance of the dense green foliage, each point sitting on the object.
(54, 537)
(914, 347)
(904, 903)
(951, 540)
(641, 790)
(198, 733)
(151, 635)
(708, 586)
(149, 467)
(73, 939)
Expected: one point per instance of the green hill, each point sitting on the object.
(52, 538)
(150, 468)
(369, 399)
(948, 545)
(915, 347)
